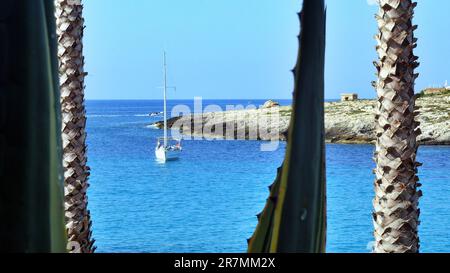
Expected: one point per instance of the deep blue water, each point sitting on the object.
(207, 201)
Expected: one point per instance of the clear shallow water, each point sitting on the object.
(207, 201)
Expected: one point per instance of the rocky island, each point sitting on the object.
(349, 122)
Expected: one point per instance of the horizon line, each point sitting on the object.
(218, 99)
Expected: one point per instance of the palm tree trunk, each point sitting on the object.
(396, 212)
(70, 25)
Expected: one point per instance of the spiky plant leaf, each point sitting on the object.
(31, 206)
(260, 241)
(294, 219)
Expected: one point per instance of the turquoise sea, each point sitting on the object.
(207, 200)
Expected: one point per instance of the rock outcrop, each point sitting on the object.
(270, 104)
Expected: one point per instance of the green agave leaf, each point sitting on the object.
(294, 219)
(260, 242)
(31, 185)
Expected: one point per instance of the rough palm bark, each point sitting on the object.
(70, 24)
(396, 212)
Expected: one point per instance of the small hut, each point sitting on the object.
(434, 91)
(349, 97)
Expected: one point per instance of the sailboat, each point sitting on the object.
(167, 148)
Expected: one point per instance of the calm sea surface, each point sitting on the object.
(207, 201)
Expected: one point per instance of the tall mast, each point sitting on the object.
(165, 103)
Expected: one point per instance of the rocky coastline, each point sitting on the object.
(345, 122)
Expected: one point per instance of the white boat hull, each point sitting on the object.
(164, 155)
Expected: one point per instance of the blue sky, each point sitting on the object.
(241, 49)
